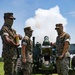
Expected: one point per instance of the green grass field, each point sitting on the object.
(2, 71)
(1, 68)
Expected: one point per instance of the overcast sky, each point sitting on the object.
(41, 15)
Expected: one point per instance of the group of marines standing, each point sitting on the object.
(10, 45)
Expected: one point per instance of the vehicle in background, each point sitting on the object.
(72, 59)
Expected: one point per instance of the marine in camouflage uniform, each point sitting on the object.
(9, 52)
(27, 51)
(62, 50)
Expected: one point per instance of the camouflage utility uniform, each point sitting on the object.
(62, 64)
(9, 52)
(27, 67)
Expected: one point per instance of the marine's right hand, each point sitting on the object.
(24, 60)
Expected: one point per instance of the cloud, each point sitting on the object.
(72, 13)
(43, 23)
(18, 2)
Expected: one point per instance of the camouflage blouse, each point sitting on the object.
(60, 40)
(28, 43)
(8, 50)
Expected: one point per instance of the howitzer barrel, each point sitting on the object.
(33, 42)
(33, 48)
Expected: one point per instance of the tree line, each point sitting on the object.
(1, 59)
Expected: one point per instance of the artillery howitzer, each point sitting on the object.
(44, 61)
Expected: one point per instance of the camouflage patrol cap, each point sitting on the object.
(28, 28)
(9, 16)
(58, 26)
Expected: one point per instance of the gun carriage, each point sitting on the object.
(44, 61)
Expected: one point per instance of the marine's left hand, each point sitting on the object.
(20, 37)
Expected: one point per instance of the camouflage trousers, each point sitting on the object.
(62, 66)
(9, 66)
(27, 68)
